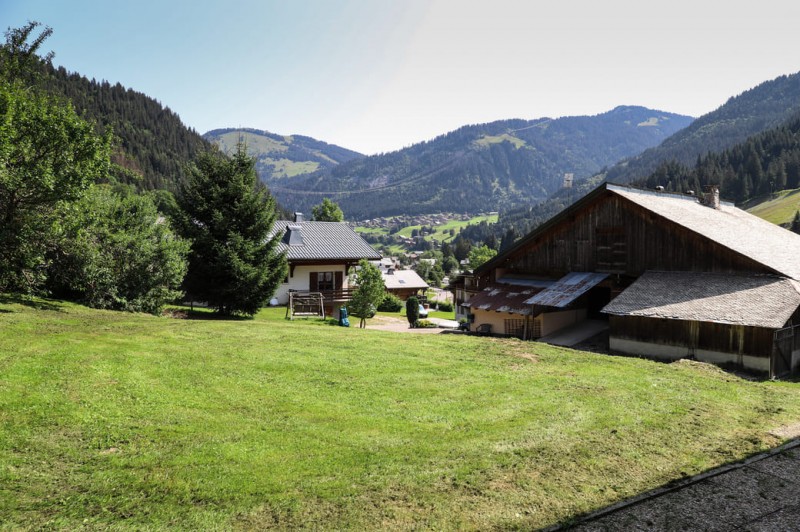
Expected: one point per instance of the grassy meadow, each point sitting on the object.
(126, 421)
(778, 208)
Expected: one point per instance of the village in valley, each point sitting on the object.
(557, 322)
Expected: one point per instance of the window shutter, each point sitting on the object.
(312, 282)
(339, 281)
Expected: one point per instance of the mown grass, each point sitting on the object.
(111, 420)
(778, 208)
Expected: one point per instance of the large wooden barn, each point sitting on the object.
(674, 275)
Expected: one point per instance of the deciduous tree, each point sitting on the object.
(117, 253)
(48, 155)
(369, 292)
(327, 211)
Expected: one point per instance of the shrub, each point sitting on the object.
(412, 311)
(444, 306)
(390, 303)
(425, 324)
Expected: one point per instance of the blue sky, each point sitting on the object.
(378, 75)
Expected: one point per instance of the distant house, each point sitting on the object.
(673, 275)
(403, 283)
(320, 256)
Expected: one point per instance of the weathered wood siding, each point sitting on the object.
(616, 236)
(718, 337)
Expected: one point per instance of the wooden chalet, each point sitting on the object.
(404, 283)
(320, 255)
(674, 275)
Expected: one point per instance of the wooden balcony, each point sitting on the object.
(341, 295)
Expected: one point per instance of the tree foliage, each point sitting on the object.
(48, 155)
(369, 292)
(327, 211)
(227, 214)
(480, 255)
(117, 253)
(412, 311)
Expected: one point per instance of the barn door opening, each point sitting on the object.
(782, 344)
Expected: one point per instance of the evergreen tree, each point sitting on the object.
(369, 292)
(412, 311)
(796, 223)
(327, 211)
(228, 215)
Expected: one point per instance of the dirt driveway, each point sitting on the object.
(389, 323)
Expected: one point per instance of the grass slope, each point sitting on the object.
(778, 208)
(112, 420)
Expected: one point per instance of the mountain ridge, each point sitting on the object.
(480, 167)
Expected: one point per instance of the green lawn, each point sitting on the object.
(124, 421)
(778, 208)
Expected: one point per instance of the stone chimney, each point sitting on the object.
(710, 196)
(298, 217)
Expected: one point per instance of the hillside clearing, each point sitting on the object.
(130, 421)
(778, 208)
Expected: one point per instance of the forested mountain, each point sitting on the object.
(748, 146)
(764, 163)
(280, 156)
(756, 110)
(481, 167)
(154, 145)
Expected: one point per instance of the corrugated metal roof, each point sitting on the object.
(762, 241)
(324, 241)
(567, 289)
(505, 298)
(753, 300)
(403, 279)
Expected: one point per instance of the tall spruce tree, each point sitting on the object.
(227, 214)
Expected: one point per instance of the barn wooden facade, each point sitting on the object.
(615, 235)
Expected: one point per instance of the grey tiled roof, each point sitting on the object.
(403, 279)
(324, 241)
(754, 300)
(762, 241)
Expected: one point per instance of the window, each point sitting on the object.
(325, 281)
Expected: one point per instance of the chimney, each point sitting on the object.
(710, 196)
(298, 217)
(293, 235)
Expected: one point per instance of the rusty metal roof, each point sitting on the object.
(504, 298)
(567, 289)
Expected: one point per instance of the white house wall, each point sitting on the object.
(302, 275)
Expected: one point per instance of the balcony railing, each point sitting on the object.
(330, 296)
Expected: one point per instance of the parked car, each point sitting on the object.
(423, 312)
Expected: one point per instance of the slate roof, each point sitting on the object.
(740, 231)
(403, 279)
(753, 300)
(324, 241)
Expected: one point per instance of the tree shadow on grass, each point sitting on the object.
(204, 314)
(35, 303)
